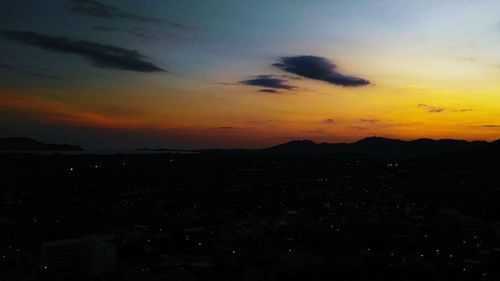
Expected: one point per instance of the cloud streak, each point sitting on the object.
(318, 68)
(101, 55)
(488, 126)
(269, 91)
(97, 9)
(27, 72)
(371, 121)
(229, 128)
(268, 81)
(435, 109)
(430, 108)
(52, 112)
(137, 33)
(94, 8)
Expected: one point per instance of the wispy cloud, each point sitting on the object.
(462, 110)
(100, 10)
(389, 125)
(94, 8)
(29, 72)
(147, 33)
(487, 126)
(101, 55)
(371, 121)
(269, 91)
(319, 68)
(435, 109)
(430, 108)
(137, 33)
(229, 128)
(358, 128)
(49, 111)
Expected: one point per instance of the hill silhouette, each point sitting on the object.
(27, 144)
(379, 146)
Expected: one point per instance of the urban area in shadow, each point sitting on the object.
(378, 209)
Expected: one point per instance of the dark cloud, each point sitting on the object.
(430, 108)
(318, 68)
(44, 76)
(93, 8)
(97, 9)
(268, 81)
(262, 121)
(434, 109)
(463, 110)
(228, 128)
(100, 55)
(488, 126)
(329, 121)
(401, 124)
(372, 121)
(269, 91)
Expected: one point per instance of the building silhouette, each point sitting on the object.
(89, 256)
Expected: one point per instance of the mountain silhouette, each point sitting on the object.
(379, 146)
(296, 146)
(27, 144)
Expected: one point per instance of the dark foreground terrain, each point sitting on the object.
(216, 216)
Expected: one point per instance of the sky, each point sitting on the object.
(227, 73)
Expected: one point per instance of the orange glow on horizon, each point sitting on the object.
(267, 120)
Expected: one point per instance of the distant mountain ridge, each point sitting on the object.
(379, 146)
(376, 146)
(27, 144)
(371, 145)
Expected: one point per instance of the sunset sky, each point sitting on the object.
(228, 73)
